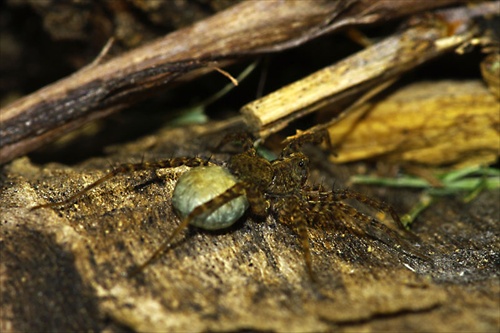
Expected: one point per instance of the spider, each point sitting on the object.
(213, 197)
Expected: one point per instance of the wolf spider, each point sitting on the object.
(277, 187)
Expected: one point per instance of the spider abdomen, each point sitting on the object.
(202, 184)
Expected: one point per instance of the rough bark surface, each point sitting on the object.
(62, 268)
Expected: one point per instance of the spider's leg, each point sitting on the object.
(204, 209)
(381, 206)
(380, 231)
(162, 247)
(291, 213)
(328, 211)
(372, 227)
(298, 140)
(301, 227)
(242, 137)
(126, 168)
(257, 201)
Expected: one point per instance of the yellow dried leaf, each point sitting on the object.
(434, 123)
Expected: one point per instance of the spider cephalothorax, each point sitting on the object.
(214, 197)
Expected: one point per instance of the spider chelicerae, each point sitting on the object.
(213, 197)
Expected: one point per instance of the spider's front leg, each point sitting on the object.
(295, 143)
(243, 137)
(126, 168)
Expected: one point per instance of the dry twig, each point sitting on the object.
(247, 29)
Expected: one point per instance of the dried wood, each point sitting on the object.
(249, 28)
(420, 40)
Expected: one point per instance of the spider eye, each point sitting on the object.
(302, 163)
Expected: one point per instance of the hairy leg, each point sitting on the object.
(347, 216)
(291, 212)
(127, 168)
(204, 209)
(242, 137)
(339, 195)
